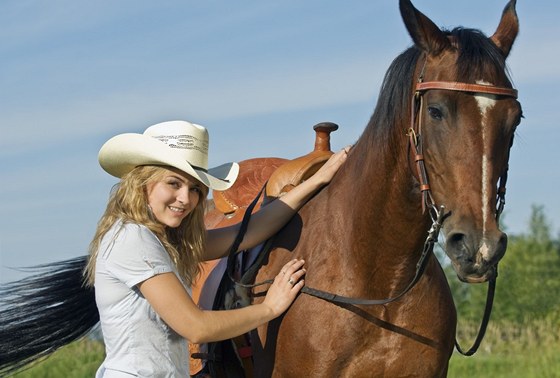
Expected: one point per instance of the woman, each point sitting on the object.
(149, 243)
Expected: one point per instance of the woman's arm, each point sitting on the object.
(272, 217)
(167, 296)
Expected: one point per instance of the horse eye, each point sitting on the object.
(435, 113)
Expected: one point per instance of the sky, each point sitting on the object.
(257, 74)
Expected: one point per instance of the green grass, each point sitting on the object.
(509, 350)
(531, 364)
(77, 360)
(530, 350)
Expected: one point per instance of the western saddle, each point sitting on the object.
(276, 176)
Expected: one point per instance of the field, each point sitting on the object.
(508, 350)
(77, 360)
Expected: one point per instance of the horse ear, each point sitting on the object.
(425, 34)
(507, 29)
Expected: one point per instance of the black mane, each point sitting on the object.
(479, 57)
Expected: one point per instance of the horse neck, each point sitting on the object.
(382, 204)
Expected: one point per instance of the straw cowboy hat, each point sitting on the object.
(178, 144)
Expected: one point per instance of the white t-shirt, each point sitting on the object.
(137, 341)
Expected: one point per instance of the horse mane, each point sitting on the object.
(393, 104)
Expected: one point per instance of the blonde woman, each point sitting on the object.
(151, 238)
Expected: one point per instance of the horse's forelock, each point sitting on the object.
(478, 57)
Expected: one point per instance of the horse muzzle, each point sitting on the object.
(475, 259)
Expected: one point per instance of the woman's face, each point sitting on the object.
(173, 197)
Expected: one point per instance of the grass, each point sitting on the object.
(76, 360)
(528, 350)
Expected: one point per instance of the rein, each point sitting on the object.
(431, 239)
(437, 215)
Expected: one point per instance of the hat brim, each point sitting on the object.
(124, 152)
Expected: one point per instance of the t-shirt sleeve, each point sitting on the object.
(136, 254)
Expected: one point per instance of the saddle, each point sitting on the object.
(276, 176)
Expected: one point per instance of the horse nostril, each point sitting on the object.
(456, 245)
(456, 240)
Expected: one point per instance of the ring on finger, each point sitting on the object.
(290, 281)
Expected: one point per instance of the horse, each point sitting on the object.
(447, 108)
(433, 157)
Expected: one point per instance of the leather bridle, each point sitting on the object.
(437, 214)
(416, 145)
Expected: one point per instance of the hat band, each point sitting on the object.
(199, 168)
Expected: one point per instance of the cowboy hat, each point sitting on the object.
(179, 144)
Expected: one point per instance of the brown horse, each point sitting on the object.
(362, 236)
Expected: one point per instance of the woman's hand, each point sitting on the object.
(325, 174)
(285, 287)
(169, 299)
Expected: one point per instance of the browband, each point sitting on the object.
(465, 87)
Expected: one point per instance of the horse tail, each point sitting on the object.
(43, 312)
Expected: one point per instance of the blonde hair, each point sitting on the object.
(128, 202)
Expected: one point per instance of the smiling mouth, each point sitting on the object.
(176, 209)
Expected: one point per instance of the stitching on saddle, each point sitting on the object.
(229, 202)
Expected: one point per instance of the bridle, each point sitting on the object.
(415, 135)
(437, 214)
(416, 146)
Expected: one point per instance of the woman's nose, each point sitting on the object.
(183, 195)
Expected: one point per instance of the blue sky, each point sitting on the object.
(258, 74)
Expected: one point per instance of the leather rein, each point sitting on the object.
(437, 214)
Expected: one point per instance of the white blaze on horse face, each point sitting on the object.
(485, 103)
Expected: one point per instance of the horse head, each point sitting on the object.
(466, 114)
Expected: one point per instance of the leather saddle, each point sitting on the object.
(276, 176)
(280, 175)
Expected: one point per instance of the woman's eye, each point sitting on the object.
(196, 190)
(175, 184)
(435, 113)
